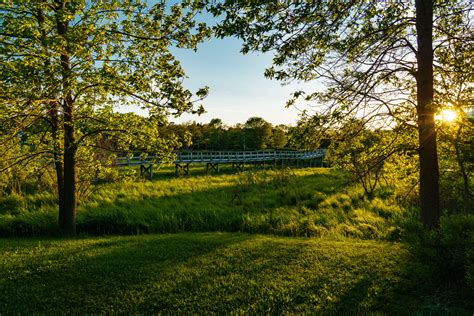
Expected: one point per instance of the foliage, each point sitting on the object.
(363, 152)
(379, 61)
(309, 133)
(445, 256)
(64, 64)
(457, 164)
(258, 133)
(255, 134)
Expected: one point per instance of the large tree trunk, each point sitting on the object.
(429, 171)
(68, 218)
(68, 224)
(54, 121)
(58, 163)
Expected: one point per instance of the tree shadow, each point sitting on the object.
(218, 273)
(224, 208)
(95, 278)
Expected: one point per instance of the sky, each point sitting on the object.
(238, 88)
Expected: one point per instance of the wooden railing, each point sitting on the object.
(225, 156)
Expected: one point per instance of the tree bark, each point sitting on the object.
(68, 220)
(54, 121)
(429, 171)
(58, 163)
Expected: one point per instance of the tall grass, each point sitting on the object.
(293, 202)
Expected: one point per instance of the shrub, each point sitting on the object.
(457, 242)
(308, 228)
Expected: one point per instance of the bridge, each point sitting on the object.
(238, 159)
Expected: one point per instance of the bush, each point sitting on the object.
(456, 237)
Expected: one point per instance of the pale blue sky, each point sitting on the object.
(238, 88)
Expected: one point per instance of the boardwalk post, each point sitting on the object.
(144, 170)
(182, 169)
(238, 165)
(212, 159)
(212, 166)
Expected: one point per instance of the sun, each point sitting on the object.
(446, 116)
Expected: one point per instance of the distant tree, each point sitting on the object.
(216, 123)
(236, 136)
(64, 64)
(181, 135)
(196, 131)
(258, 133)
(279, 138)
(309, 133)
(378, 59)
(214, 133)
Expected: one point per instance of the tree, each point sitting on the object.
(376, 58)
(456, 140)
(363, 152)
(455, 91)
(258, 133)
(64, 64)
(279, 138)
(309, 133)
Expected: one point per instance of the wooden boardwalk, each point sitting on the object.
(238, 159)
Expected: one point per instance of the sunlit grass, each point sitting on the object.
(229, 272)
(218, 273)
(295, 202)
(198, 273)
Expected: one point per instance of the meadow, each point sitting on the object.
(233, 242)
(292, 202)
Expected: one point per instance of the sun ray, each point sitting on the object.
(446, 115)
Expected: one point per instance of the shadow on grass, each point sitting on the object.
(198, 170)
(99, 275)
(211, 273)
(252, 207)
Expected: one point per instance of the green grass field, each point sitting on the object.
(234, 243)
(291, 202)
(215, 273)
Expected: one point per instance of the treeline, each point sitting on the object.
(254, 134)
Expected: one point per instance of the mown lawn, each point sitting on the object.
(214, 273)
